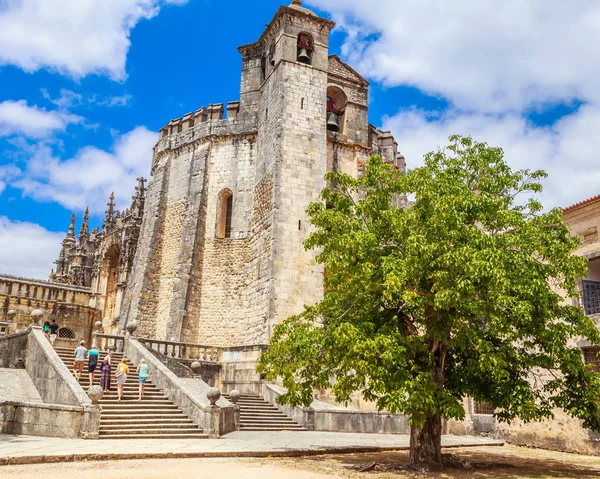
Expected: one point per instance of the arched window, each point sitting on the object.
(306, 48)
(66, 333)
(336, 109)
(224, 213)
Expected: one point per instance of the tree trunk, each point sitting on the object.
(426, 443)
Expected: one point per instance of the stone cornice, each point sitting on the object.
(349, 146)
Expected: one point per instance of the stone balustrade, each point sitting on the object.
(105, 342)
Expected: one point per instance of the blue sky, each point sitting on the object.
(85, 86)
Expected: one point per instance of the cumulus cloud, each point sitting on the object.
(480, 54)
(567, 150)
(75, 38)
(27, 249)
(88, 178)
(18, 118)
(68, 99)
(494, 63)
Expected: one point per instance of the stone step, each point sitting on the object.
(110, 401)
(155, 436)
(272, 428)
(151, 430)
(129, 405)
(119, 420)
(259, 409)
(128, 387)
(160, 426)
(151, 415)
(266, 422)
(262, 414)
(142, 409)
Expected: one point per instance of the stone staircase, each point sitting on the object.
(256, 414)
(154, 417)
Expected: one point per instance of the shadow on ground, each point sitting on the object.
(507, 462)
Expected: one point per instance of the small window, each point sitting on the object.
(225, 213)
(483, 408)
(66, 333)
(591, 357)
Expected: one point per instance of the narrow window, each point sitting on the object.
(228, 216)
(225, 212)
(302, 104)
(299, 225)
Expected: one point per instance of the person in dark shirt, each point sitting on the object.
(53, 331)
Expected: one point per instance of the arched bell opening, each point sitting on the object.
(224, 214)
(306, 48)
(336, 109)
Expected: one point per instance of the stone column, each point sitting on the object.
(308, 417)
(212, 414)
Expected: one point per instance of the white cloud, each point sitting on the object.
(88, 178)
(16, 117)
(27, 249)
(567, 150)
(68, 99)
(482, 55)
(73, 37)
(493, 62)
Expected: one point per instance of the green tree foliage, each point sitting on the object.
(459, 295)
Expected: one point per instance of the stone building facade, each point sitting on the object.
(101, 261)
(220, 257)
(68, 305)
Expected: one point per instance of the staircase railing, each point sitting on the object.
(180, 350)
(109, 341)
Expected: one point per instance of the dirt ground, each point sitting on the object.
(506, 462)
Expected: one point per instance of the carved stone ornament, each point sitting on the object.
(213, 396)
(234, 396)
(196, 367)
(95, 394)
(131, 327)
(36, 315)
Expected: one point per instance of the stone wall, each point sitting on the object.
(68, 305)
(13, 350)
(51, 377)
(48, 420)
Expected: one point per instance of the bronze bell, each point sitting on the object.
(303, 56)
(333, 121)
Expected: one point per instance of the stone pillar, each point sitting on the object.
(234, 397)
(91, 422)
(308, 417)
(212, 421)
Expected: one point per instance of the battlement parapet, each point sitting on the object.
(384, 144)
(203, 123)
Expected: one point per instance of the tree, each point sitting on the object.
(459, 295)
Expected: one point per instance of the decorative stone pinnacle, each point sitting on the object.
(85, 225)
(297, 2)
(71, 233)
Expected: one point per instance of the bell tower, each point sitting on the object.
(284, 84)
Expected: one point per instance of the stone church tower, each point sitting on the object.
(220, 256)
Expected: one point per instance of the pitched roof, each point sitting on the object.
(581, 204)
(348, 71)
